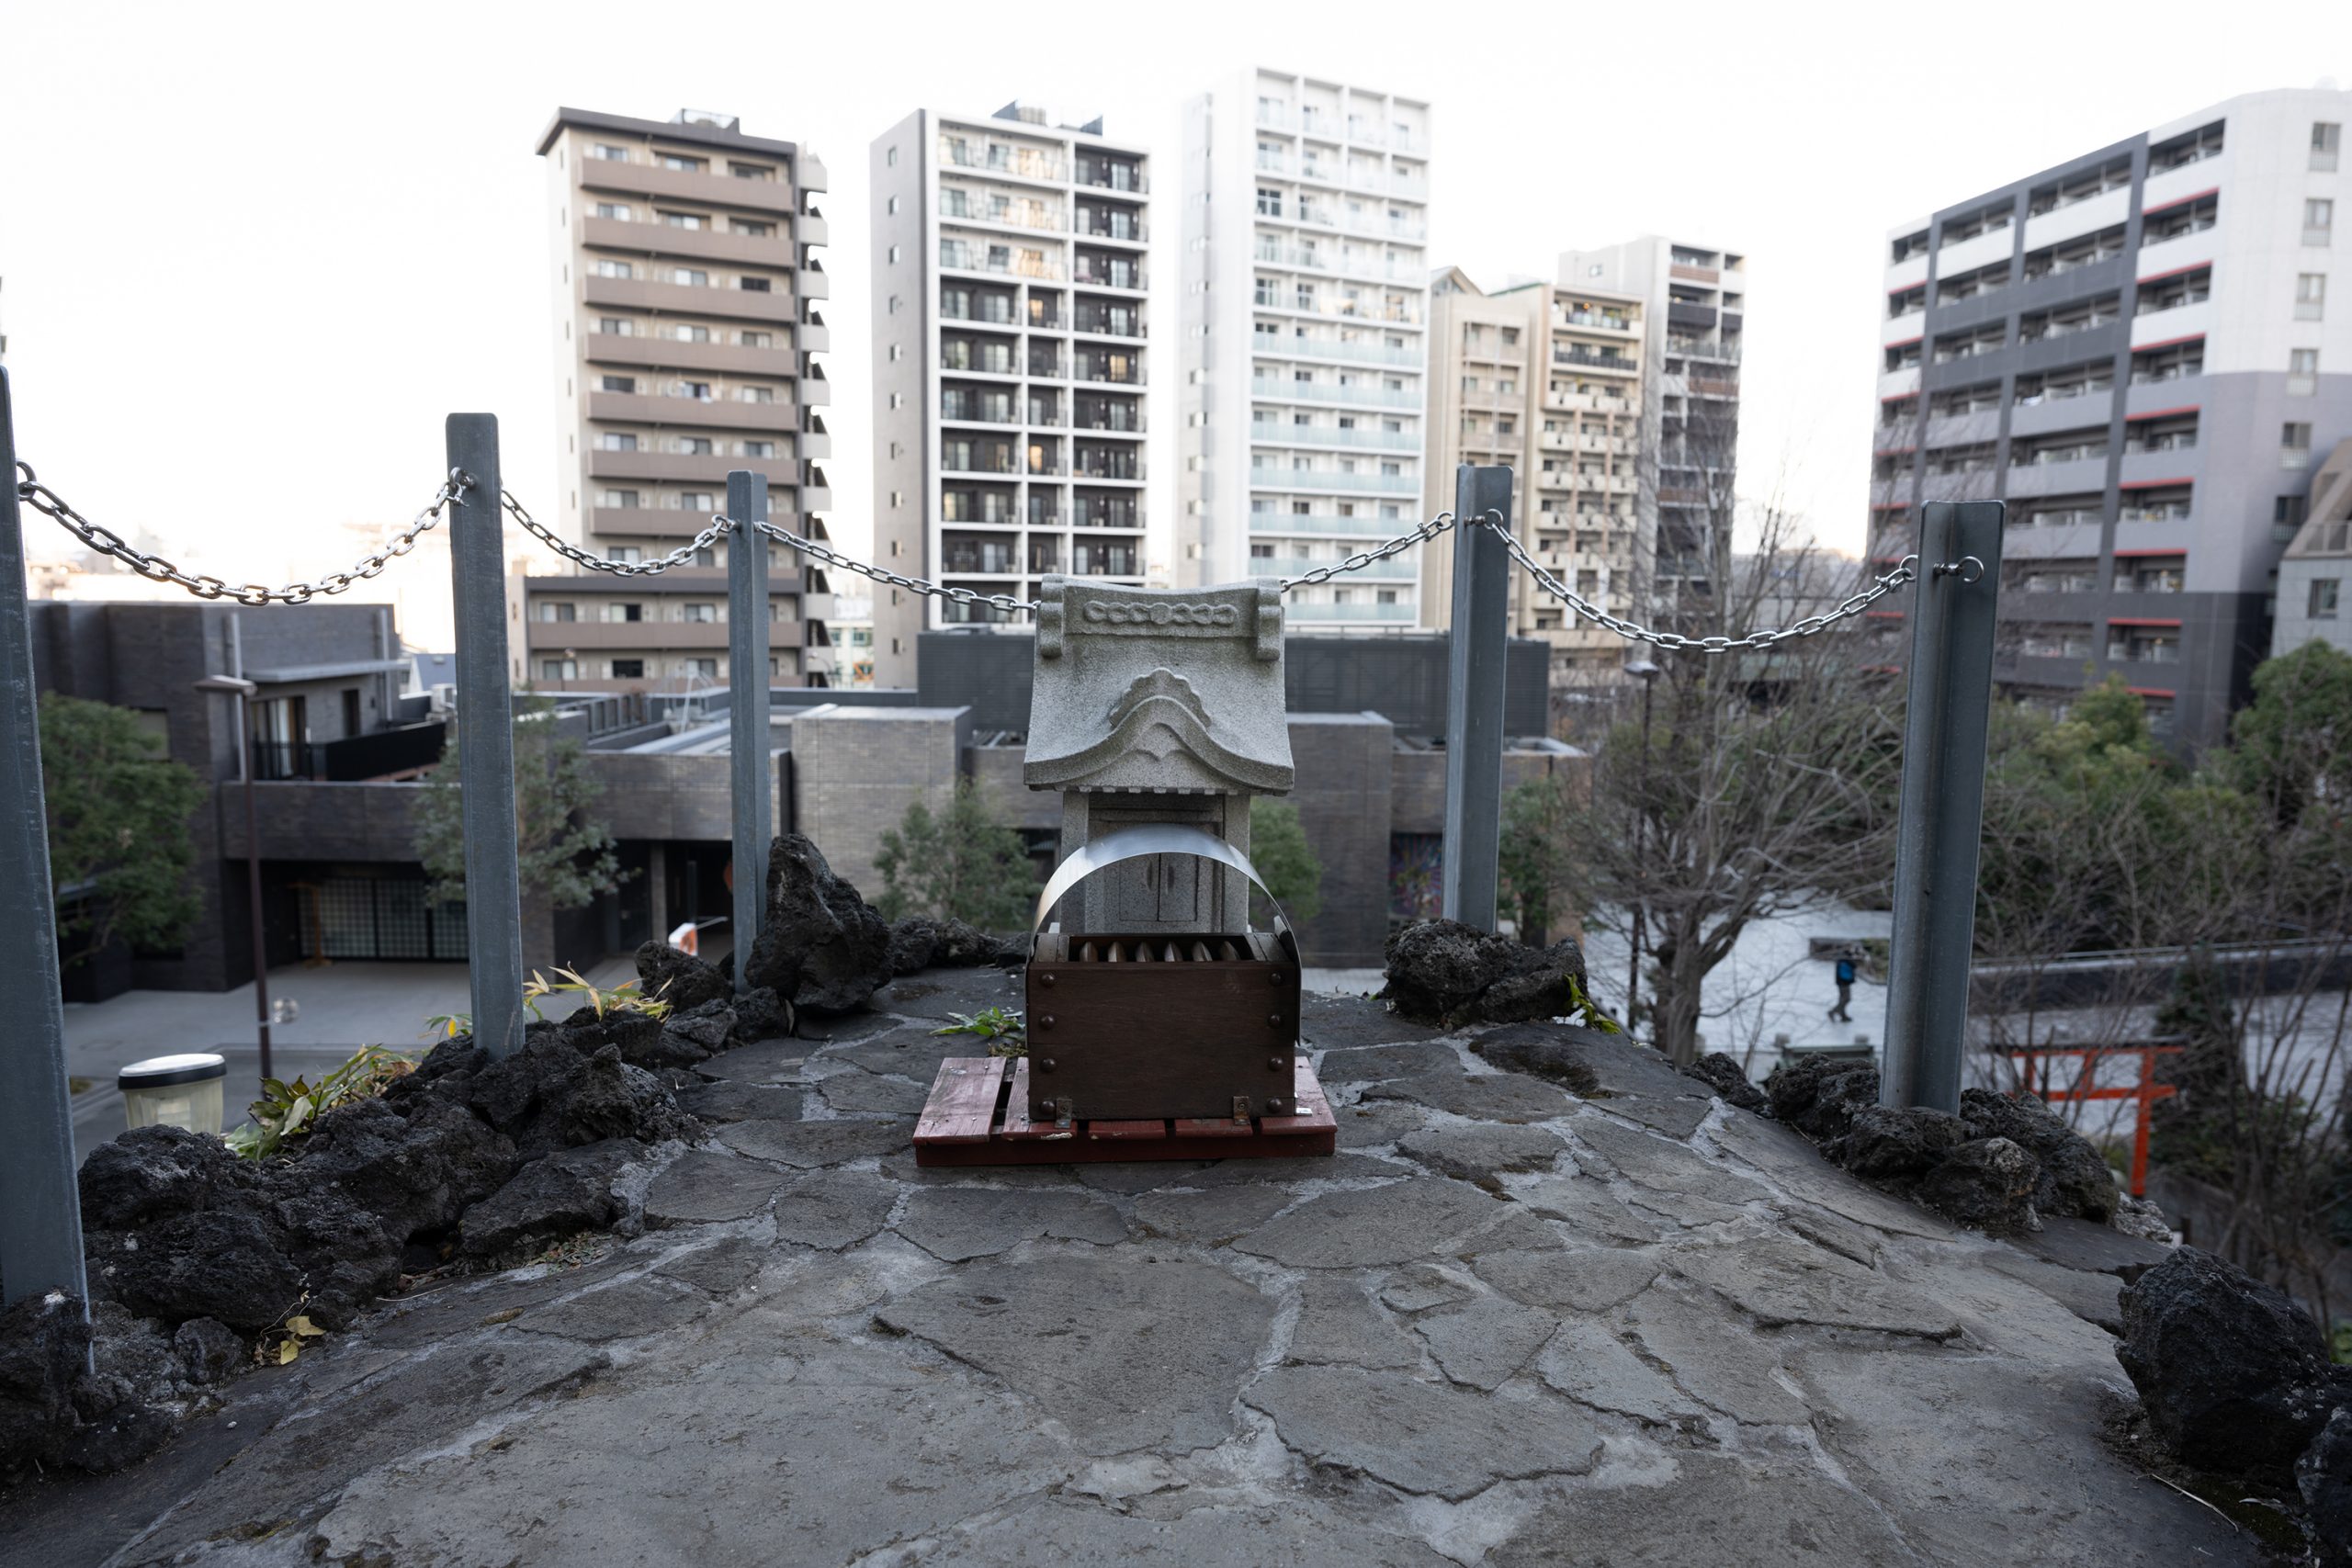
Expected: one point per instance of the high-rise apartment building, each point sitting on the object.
(1008, 331)
(1694, 311)
(685, 282)
(2135, 349)
(1304, 317)
(1547, 379)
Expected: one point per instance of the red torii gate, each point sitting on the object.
(2034, 1078)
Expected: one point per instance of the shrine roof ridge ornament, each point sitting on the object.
(1159, 691)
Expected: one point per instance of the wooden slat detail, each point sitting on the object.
(1212, 1127)
(1018, 1127)
(1112, 1129)
(962, 1107)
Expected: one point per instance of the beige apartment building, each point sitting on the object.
(1545, 379)
(686, 285)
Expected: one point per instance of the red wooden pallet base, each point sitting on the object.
(978, 1114)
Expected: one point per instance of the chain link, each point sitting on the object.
(1905, 572)
(831, 557)
(107, 542)
(683, 556)
(1362, 558)
(453, 489)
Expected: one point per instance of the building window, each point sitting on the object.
(894, 255)
(609, 152)
(617, 383)
(755, 340)
(558, 668)
(685, 221)
(1270, 203)
(2295, 438)
(616, 326)
(751, 227)
(891, 206)
(683, 163)
(628, 668)
(627, 554)
(615, 269)
(2319, 220)
(618, 613)
(692, 277)
(616, 441)
(890, 159)
(895, 303)
(684, 333)
(2326, 591)
(750, 171)
(2327, 139)
(614, 210)
(698, 614)
(759, 448)
(755, 285)
(2311, 296)
(552, 611)
(2302, 372)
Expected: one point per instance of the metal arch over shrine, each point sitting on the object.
(1158, 714)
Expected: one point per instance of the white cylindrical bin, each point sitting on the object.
(177, 1092)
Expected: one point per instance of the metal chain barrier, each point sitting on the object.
(41, 498)
(831, 557)
(683, 556)
(33, 492)
(1885, 583)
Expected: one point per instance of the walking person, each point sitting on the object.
(1841, 1013)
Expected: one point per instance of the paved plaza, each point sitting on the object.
(1505, 1324)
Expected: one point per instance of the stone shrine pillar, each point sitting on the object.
(1156, 706)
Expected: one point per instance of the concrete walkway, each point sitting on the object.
(1504, 1325)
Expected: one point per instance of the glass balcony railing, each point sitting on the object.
(1267, 432)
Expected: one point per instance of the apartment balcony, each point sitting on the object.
(1594, 320)
(1314, 480)
(1104, 173)
(1096, 272)
(662, 240)
(1001, 161)
(1607, 364)
(780, 419)
(2158, 327)
(2165, 187)
(816, 492)
(668, 522)
(1370, 615)
(1098, 374)
(551, 636)
(1274, 389)
(1268, 433)
(1036, 266)
(811, 229)
(1590, 402)
(652, 182)
(1105, 324)
(1103, 471)
(688, 300)
(1411, 356)
(1290, 524)
(1011, 215)
(1395, 567)
(815, 390)
(1338, 264)
(1117, 228)
(681, 467)
(2058, 477)
(999, 561)
(658, 354)
(2054, 412)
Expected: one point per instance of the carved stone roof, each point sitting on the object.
(1160, 690)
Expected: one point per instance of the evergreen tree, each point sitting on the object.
(564, 857)
(1278, 848)
(118, 845)
(962, 863)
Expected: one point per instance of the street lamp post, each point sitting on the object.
(1648, 673)
(243, 690)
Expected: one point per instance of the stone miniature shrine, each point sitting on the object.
(1160, 1024)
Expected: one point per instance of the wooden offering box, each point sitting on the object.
(1183, 1026)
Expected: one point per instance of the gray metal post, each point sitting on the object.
(40, 1210)
(747, 708)
(1474, 712)
(486, 739)
(1944, 727)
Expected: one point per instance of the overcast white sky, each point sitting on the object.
(252, 254)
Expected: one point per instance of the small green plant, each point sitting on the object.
(448, 1025)
(1002, 1028)
(2339, 1342)
(623, 998)
(288, 1111)
(1587, 1012)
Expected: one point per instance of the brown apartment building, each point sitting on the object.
(686, 285)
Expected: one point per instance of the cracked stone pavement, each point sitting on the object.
(1503, 1325)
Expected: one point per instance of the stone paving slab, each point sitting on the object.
(1663, 1347)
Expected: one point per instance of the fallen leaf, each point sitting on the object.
(303, 1327)
(288, 1350)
